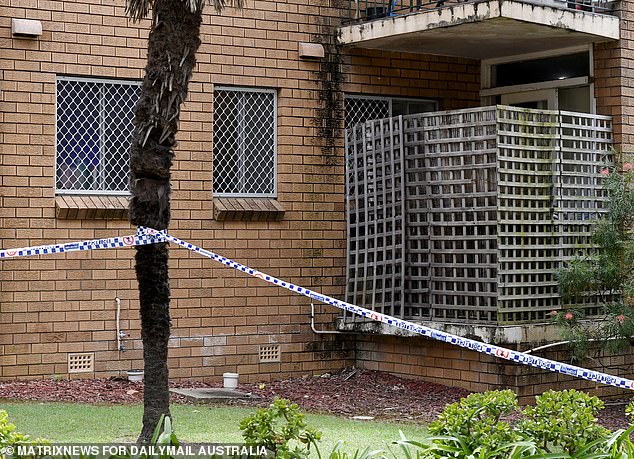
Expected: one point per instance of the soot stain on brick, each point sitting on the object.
(329, 114)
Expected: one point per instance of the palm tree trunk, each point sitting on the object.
(173, 41)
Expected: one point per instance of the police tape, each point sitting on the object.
(146, 236)
(490, 349)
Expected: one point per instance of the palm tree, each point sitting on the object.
(173, 42)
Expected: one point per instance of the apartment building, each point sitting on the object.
(260, 175)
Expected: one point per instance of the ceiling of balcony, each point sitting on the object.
(483, 30)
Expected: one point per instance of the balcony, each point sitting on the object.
(478, 29)
(464, 216)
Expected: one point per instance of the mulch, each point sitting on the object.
(348, 393)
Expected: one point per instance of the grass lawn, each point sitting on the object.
(65, 422)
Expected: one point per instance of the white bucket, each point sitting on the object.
(230, 380)
(135, 375)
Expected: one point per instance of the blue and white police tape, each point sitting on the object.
(144, 236)
(490, 349)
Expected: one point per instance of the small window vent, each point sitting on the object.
(270, 353)
(81, 363)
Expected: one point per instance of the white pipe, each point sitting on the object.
(119, 335)
(320, 332)
(559, 343)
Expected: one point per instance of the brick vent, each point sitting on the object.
(270, 353)
(81, 363)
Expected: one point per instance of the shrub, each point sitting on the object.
(281, 429)
(472, 428)
(563, 421)
(10, 437)
(604, 273)
(562, 425)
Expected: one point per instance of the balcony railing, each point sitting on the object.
(368, 10)
(465, 216)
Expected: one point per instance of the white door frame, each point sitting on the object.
(488, 94)
(549, 95)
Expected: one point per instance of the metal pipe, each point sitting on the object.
(321, 332)
(120, 334)
(559, 343)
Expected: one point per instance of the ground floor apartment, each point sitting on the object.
(262, 176)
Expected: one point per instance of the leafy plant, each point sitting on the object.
(471, 428)
(604, 274)
(562, 425)
(280, 428)
(338, 453)
(10, 437)
(563, 421)
(475, 421)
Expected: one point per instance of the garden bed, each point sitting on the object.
(349, 393)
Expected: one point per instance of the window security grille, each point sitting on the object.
(360, 109)
(245, 125)
(94, 129)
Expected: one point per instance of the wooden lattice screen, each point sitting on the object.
(465, 215)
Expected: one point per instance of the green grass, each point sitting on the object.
(64, 422)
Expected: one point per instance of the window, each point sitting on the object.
(559, 80)
(360, 109)
(542, 69)
(245, 142)
(94, 130)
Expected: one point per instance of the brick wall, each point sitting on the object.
(60, 304)
(443, 363)
(614, 64)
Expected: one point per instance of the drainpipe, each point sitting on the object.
(120, 334)
(321, 332)
(559, 343)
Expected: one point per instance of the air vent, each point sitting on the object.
(81, 363)
(270, 353)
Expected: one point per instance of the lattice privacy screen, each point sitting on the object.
(466, 215)
(94, 130)
(245, 124)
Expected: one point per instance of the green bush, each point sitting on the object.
(10, 437)
(281, 429)
(563, 421)
(604, 273)
(8, 434)
(476, 420)
(561, 425)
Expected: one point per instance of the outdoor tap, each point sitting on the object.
(122, 334)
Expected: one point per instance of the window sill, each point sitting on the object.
(248, 209)
(91, 207)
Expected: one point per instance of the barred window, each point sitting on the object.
(94, 130)
(245, 142)
(360, 109)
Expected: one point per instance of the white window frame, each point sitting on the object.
(488, 94)
(87, 80)
(275, 151)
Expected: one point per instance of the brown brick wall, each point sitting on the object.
(442, 363)
(614, 67)
(60, 304)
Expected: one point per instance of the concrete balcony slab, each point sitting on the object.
(483, 30)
